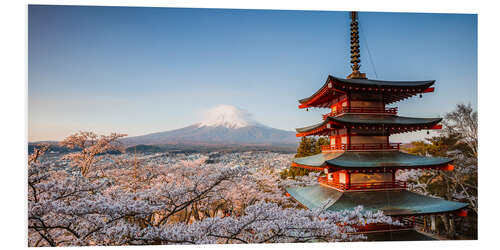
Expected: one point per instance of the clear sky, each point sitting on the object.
(143, 70)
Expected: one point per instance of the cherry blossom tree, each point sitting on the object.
(262, 222)
(134, 201)
(91, 146)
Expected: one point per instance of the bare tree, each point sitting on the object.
(458, 140)
(463, 122)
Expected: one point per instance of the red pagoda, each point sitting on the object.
(360, 163)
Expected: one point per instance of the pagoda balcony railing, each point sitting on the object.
(362, 110)
(363, 147)
(362, 185)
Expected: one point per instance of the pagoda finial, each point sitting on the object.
(355, 54)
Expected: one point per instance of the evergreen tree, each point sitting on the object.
(320, 142)
(307, 147)
(304, 148)
(311, 146)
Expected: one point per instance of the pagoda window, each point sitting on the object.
(343, 178)
(330, 176)
(343, 139)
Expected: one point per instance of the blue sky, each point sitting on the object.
(143, 70)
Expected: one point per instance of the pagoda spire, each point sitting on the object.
(355, 54)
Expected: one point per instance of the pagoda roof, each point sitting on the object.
(382, 119)
(317, 160)
(342, 85)
(393, 203)
(392, 159)
(311, 128)
(370, 160)
(371, 119)
(380, 83)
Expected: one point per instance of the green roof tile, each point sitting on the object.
(380, 83)
(377, 159)
(370, 119)
(383, 119)
(372, 83)
(395, 203)
(317, 160)
(370, 159)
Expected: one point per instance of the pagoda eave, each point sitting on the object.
(308, 167)
(391, 123)
(393, 90)
(398, 203)
(444, 167)
(371, 161)
(392, 159)
(387, 120)
(316, 161)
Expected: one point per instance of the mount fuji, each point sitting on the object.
(223, 125)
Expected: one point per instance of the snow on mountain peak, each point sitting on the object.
(227, 116)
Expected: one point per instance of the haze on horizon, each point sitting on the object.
(145, 70)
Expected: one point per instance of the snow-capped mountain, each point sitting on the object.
(227, 116)
(223, 125)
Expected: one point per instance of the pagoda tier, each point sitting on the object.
(348, 171)
(371, 124)
(396, 203)
(370, 161)
(389, 91)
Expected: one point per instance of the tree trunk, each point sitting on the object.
(451, 232)
(444, 219)
(195, 212)
(433, 223)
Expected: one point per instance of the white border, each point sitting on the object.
(14, 107)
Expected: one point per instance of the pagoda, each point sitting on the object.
(360, 163)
